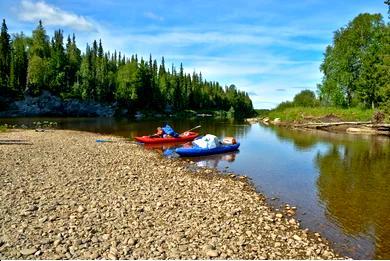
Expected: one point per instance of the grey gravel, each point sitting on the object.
(68, 197)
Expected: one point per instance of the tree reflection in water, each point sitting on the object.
(353, 182)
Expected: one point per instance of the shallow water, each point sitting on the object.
(340, 183)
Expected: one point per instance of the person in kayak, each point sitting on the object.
(165, 132)
(168, 131)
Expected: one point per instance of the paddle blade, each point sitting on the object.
(103, 140)
(169, 152)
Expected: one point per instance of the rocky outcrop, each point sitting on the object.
(50, 105)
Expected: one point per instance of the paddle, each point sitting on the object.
(104, 141)
(197, 127)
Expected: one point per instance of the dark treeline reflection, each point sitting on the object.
(353, 182)
(130, 128)
(302, 140)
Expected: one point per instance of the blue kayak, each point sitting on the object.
(198, 151)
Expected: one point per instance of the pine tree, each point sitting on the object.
(57, 64)
(39, 52)
(73, 56)
(5, 59)
(19, 64)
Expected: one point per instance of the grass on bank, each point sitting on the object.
(3, 128)
(298, 114)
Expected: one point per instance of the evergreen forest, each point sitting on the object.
(31, 65)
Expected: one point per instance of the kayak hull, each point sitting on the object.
(197, 151)
(156, 140)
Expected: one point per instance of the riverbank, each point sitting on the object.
(353, 120)
(48, 105)
(65, 196)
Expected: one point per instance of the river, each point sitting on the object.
(340, 183)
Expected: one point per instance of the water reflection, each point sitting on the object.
(212, 161)
(354, 184)
(131, 128)
(303, 140)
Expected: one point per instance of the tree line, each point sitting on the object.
(356, 65)
(356, 68)
(29, 65)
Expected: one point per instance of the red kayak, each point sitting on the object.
(186, 136)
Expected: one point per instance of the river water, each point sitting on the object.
(340, 183)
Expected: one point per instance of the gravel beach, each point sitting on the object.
(65, 196)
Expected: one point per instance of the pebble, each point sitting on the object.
(112, 256)
(28, 251)
(297, 238)
(132, 241)
(212, 253)
(292, 221)
(42, 220)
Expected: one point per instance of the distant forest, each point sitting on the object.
(30, 65)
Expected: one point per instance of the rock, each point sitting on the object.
(105, 236)
(252, 120)
(212, 253)
(327, 254)
(114, 251)
(80, 209)
(93, 255)
(77, 242)
(279, 215)
(28, 251)
(132, 241)
(297, 238)
(60, 249)
(42, 220)
(292, 221)
(32, 208)
(112, 256)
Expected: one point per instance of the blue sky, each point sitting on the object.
(270, 48)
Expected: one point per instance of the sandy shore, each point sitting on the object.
(65, 196)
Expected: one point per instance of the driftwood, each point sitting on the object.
(318, 125)
(363, 127)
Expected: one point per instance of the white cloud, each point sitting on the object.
(153, 16)
(50, 15)
(178, 38)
